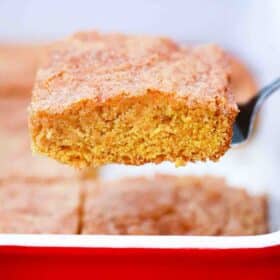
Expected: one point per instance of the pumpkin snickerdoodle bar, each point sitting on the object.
(170, 205)
(39, 206)
(131, 99)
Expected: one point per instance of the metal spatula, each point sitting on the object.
(246, 118)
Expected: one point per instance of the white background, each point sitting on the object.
(249, 27)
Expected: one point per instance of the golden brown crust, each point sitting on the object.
(39, 207)
(92, 66)
(172, 205)
(18, 66)
(243, 83)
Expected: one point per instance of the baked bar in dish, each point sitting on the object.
(170, 205)
(39, 207)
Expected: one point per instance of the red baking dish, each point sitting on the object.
(44, 256)
(162, 257)
(256, 167)
(136, 257)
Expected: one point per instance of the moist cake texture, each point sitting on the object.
(167, 205)
(39, 207)
(131, 99)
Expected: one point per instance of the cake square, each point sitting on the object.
(39, 207)
(117, 98)
(170, 205)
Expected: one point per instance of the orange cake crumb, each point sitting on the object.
(169, 205)
(131, 99)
